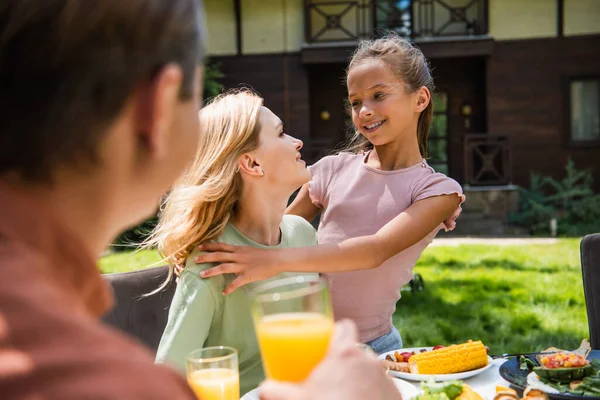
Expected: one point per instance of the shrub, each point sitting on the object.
(571, 201)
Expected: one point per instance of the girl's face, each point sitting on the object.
(278, 154)
(382, 109)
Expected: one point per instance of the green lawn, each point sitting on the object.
(129, 261)
(514, 298)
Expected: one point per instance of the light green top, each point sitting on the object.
(200, 316)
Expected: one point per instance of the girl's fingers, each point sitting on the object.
(236, 284)
(217, 256)
(220, 270)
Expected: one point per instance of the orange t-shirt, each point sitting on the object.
(52, 345)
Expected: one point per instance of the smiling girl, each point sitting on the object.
(236, 191)
(381, 203)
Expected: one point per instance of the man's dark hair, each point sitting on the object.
(67, 68)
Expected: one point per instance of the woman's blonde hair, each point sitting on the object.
(203, 200)
(407, 63)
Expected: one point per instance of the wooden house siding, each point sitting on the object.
(527, 100)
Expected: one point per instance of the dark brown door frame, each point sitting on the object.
(237, 7)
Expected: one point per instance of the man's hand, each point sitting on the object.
(248, 263)
(346, 373)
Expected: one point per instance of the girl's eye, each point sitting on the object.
(281, 134)
(354, 104)
(378, 96)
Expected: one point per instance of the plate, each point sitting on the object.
(511, 372)
(426, 377)
(406, 389)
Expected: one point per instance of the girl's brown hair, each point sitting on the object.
(408, 64)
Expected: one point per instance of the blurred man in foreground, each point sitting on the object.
(98, 117)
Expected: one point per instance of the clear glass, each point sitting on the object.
(585, 110)
(294, 322)
(212, 373)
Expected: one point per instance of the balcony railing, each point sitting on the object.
(487, 159)
(349, 20)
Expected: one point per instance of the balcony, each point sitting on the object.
(487, 160)
(338, 24)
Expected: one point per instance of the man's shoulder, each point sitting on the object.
(16, 255)
(94, 363)
(64, 352)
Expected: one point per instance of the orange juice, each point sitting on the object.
(215, 384)
(293, 344)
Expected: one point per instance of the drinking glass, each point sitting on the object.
(212, 373)
(294, 323)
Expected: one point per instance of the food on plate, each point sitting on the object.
(561, 371)
(395, 366)
(504, 393)
(452, 359)
(564, 366)
(451, 390)
(534, 394)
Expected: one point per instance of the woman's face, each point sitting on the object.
(278, 153)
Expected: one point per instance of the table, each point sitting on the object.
(484, 383)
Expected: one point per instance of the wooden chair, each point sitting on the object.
(144, 318)
(590, 266)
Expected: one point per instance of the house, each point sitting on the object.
(518, 81)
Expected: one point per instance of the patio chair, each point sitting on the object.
(144, 318)
(590, 266)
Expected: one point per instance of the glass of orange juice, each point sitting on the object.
(212, 373)
(294, 323)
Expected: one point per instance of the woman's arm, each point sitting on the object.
(359, 253)
(190, 320)
(302, 205)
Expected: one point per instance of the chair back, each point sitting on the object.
(144, 318)
(590, 266)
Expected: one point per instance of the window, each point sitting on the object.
(438, 135)
(585, 111)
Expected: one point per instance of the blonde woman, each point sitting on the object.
(236, 191)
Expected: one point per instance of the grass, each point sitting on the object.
(514, 298)
(129, 261)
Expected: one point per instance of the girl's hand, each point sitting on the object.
(177, 270)
(248, 263)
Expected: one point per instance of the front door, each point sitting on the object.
(328, 117)
(459, 108)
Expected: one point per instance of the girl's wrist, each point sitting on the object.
(284, 260)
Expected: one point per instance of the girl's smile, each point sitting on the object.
(372, 127)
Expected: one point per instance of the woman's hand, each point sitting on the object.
(248, 263)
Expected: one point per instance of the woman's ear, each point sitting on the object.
(423, 99)
(249, 165)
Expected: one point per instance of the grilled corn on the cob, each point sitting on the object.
(451, 359)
